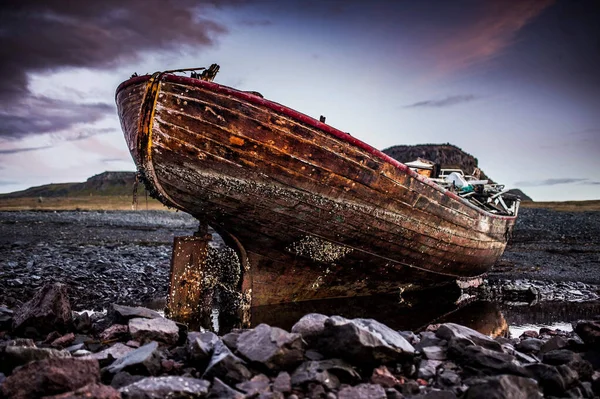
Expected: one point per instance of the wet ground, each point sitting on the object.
(549, 273)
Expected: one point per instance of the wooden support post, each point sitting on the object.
(188, 302)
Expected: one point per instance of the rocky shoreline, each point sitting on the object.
(123, 257)
(46, 350)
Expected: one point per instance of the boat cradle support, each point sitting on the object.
(203, 289)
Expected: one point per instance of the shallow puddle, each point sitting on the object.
(416, 312)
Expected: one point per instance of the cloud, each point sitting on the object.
(26, 149)
(87, 133)
(487, 36)
(256, 22)
(111, 160)
(551, 182)
(41, 114)
(46, 36)
(7, 182)
(446, 102)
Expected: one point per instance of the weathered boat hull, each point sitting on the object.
(313, 212)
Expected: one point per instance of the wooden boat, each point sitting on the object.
(311, 211)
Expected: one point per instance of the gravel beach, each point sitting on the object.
(123, 257)
(54, 262)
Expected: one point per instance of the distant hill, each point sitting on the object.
(447, 155)
(103, 184)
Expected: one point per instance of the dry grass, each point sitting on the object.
(565, 206)
(124, 203)
(113, 203)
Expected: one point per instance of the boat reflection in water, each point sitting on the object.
(414, 312)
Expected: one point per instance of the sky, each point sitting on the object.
(516, 83)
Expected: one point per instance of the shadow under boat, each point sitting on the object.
(413, 312)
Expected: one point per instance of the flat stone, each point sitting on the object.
(96, 391)
(173, 387)
(283, 382)
(49, 310)
(504, 387)
(362, 391)
(448, 331)
(559, 356)
(530, 345)
(50, 377)
(75, 347)
(554, 343)
(116, 331)
(157, 329)
(145, 360)
(116, 351)
(272, 347)
(434, 352)
(226, 366)
(479, 360)
(121, 314)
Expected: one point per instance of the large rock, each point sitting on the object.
(108, 355)
(226, 366)
(20, 355)
(570, 359)
(310, 326)
(504, 387)
(116, 331)
(51, 376)
(120, 314)
(530, 345)
(49, 310)
(200, 346)
(548, 377)
(144, 360)
(359, 341)
(157, 329)
(477, 360)
(448, 331)
(272, 347)
(589, 331)
(96, 391)
(172, 387)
